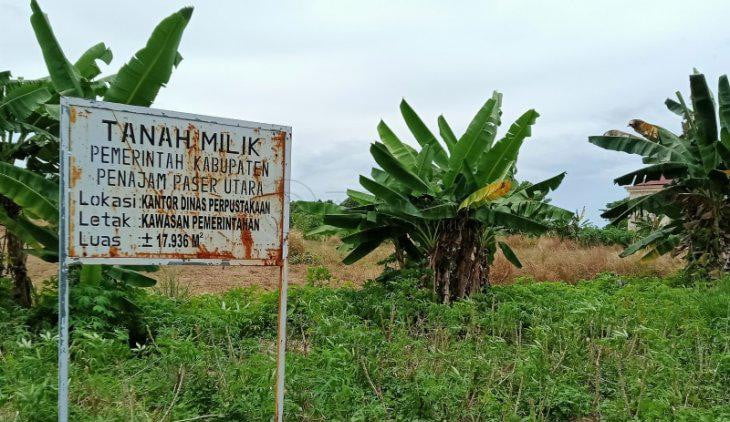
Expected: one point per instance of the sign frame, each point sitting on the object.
(66, 104)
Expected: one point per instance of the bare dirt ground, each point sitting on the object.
(544, 259)
(211, 279)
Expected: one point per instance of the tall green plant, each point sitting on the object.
(29, 114)
(446, 203)
(696, 202)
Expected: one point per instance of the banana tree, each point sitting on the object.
(696, 203)
(29, 114)
(446, 202)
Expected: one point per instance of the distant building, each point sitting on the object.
(642, 189)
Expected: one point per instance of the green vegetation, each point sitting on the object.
(606, 236)
(443, 207)
(402, 347)
(697, 201)
(610, 348)
(29, 125)
(588, 234)
(308, 217)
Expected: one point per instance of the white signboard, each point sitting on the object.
(146, 186)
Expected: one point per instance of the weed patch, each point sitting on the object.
(612, 348)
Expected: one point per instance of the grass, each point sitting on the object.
(553, 259)
(544, 259)
(613, 348)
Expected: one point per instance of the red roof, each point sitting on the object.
(661, 182)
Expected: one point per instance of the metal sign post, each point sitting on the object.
(141, 186)
(283, 288)
(63, 321)
(281, 343)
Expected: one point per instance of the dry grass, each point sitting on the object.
(552, 259)
(330, 256)
(544, 259)
(204, 279)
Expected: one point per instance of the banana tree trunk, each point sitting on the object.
(459, 260)
(17, 258)
(707, 237)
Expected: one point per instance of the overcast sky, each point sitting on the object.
(332, 70)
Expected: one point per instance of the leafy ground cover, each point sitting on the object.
(613, 348)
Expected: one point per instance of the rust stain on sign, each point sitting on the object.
(157, 186)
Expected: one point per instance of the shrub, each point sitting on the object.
(613, 348)
(318, 276)
(607, 236)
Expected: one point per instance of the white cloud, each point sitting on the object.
(333, 69)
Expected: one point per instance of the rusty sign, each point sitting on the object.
(147, 186)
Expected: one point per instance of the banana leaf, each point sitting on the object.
(63, 75)
(396, 169)
(404, 153)
(496, 163)
(423, 135)
(139, 81)
(510, 254)
(86, 64)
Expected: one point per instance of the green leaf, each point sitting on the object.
(662, 247)
(318, 207)
(404, 153)
(390, 196)
(131, 278)
(510, 254)
(361, 250)
(424, 163)
(372, 234)
(423, 135)
(90, 274)
(346, 221)
(63, 75)
(324, 230)
(53, 111)
(22, 101)
(673, 141)
(383, 177)
(496, 163)
(361, 198)
(139, 81)
(706, 125)
(447, 134)
(537, 210)
(654, 151)
(544, 187)
(482, 130)
(654, 172)
(674, 107)
(30, 191)
(511, 221)
(440, 212)
(642, 243)
(44, 254)
(724, 106)
(686, 111)
(86, 64)
(477, 139)
(656, 203)
(178, 59)
(396, 169)
(30, 233)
